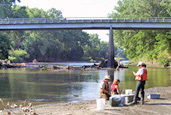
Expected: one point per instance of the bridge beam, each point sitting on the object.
(110, 63)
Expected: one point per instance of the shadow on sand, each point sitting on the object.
(158, 103)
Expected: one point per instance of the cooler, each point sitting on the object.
(153, 96)
(117, 100)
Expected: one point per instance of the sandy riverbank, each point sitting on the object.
(151, 106)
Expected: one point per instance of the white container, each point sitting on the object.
(153, 96)
(117, 100)
(128, 91)
(100, 104)
(129, 98)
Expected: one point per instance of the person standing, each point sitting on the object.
(141, 77)
(104, 88)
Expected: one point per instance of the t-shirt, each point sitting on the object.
(102, 85)
(140, 71)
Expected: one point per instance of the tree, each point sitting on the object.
(20, 12)
(95, 50)
(94, 47)
(143, 44)
(51, 45)
(18, 55)
(5, 8)
(103, 50)
(4, 46)
(36, 13)
(53, 13)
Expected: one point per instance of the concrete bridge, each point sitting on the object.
(87, 23)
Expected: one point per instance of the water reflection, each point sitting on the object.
(72, 85)
(111, 74)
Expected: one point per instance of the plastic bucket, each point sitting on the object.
(129, 98)
(100, 104)
(128, 91)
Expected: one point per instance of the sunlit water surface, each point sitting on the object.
(42, 86)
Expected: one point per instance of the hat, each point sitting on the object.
(107, 77)
(140, 63)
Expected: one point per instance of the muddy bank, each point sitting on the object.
(151, 106)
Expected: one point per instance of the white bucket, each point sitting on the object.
(129, 98)
(128, 91)
(100, 104)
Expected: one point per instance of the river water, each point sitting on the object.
(42, 86)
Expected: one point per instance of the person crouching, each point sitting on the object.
(104, 88)
(115, 87)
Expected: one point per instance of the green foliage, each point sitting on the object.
(147, 45)
(95, 50)
(53, 45)
(20, 12)
(53, 13)
(18, 55)
(36, 13)
(5, 8)
(163, 59)
(104, 50)
(4, 46)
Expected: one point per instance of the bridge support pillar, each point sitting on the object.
(110, 63)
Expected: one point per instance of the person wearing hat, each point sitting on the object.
(141, 77)
(104, 88)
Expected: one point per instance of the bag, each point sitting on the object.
(117, 100)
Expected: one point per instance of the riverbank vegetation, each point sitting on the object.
(152, 46)
(148, 45)
(48, 45)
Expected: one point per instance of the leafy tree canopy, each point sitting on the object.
(49, 45)
(147, 45)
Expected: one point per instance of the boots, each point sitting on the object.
(138, 98)
(142, 101)
(135, 100)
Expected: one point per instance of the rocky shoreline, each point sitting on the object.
(41, 66)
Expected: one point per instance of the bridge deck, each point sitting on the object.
(85, 23)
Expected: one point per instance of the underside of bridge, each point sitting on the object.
(129, 23)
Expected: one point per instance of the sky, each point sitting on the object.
(77, 8)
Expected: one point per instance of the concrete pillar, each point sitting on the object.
(111, 74)
(110, 63)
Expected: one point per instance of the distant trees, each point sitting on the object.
(147, 45)
(4, 46)
(5, 8)
(96, 49)
(49, 45)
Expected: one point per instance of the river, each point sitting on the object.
(46, 86)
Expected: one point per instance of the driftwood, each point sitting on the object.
(69, 67)
(102, 64)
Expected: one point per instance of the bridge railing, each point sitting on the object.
(84, 20)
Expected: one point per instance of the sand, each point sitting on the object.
(160, 106)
